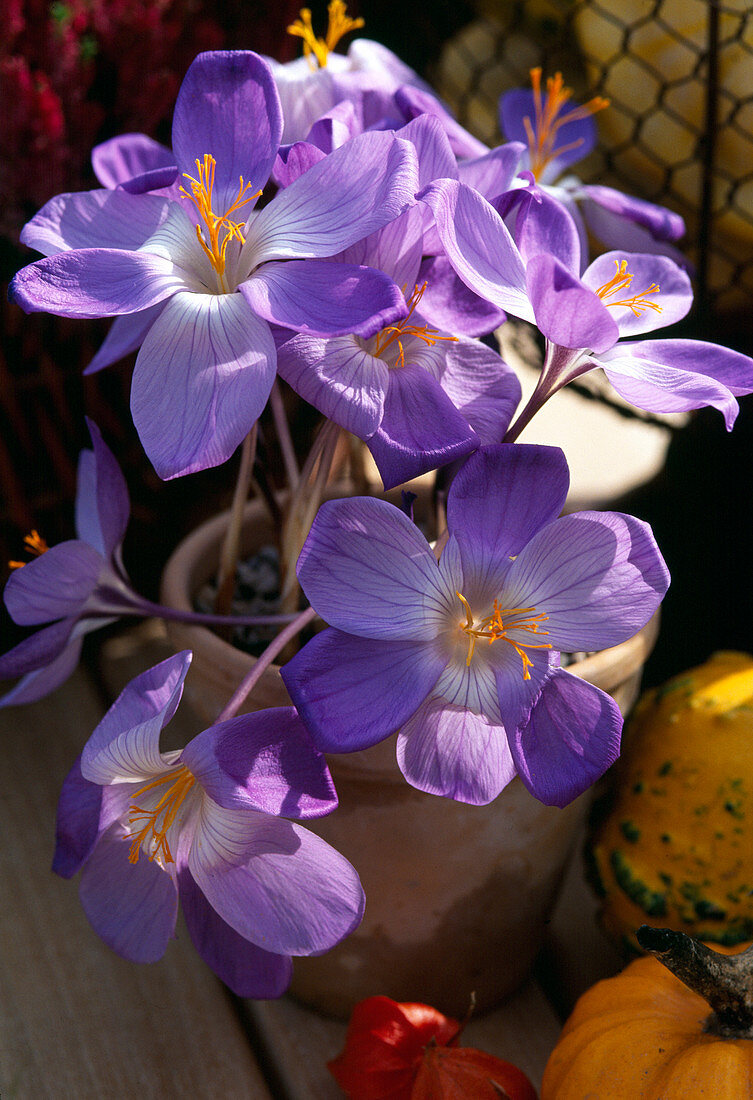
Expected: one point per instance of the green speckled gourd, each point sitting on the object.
(672, 844)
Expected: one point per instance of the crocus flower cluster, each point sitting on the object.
(329, 223)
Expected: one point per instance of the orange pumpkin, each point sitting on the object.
(644, 1035)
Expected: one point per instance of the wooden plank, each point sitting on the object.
(75, 1019)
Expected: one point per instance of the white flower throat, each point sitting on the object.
(215, 231)
(495, 628)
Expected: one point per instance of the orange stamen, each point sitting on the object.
(317, 50)
(621, 280)
(392, 334)
(215, 248)
(542, 132)
(35, 545)
(495, 627)
(158, 821)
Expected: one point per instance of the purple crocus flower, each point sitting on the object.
(204, 275)
(204, 825)
(461, 655)
(313, 84)
(419, 396)
(77, 586)
(447, 303)
(558, 133)
(585, 317)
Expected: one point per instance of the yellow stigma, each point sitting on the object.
(35, 545)
(393, 334)
(157, 822)
(542, 131)
(495, 627)
(621, 280)
(218, 229)
(317, 50)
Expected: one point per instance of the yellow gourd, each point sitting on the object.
(673, 842)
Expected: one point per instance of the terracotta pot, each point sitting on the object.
(457, 896)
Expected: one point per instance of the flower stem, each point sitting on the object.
(231, 542)
(147, 609)
(284, 437)
(724, 981)
(303, 507)
(274, 648)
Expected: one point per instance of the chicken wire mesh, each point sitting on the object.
(679, 128)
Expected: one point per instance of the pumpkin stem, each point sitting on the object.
(724, 981)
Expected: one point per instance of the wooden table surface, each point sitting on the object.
(78, 1021)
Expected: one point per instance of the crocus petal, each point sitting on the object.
(295, 896)
(131, 906)
(498, 500)
(125, 335)
(650, 309)
(54, 585)
(161, 180)
(570, 739)
(451, 751)
(451, 306)
(305, 94)
(124, 747)
(102, 505)
(265, 761)
(353, 692)
(245, 968)
(337, 377)
(85, 810)
(541, 224)
(493, 172)
(598, 576)
(94, 219)
(396, 249)
(575, 138)
(44, 661)
(128, 155)
(473, 685)
(616, 231)
(676, 375)
(479, 246)
(341, 123)
(228, 106)
(370, 56)
(324, 299)
(662, 224)
(414, 102)
(38, 649)
(201, 380)
(435, 157)
(351, 193)
(420, 430)
(481, 386)
(95, 282)
(369, 571)
(293, 160)
(567, 312)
